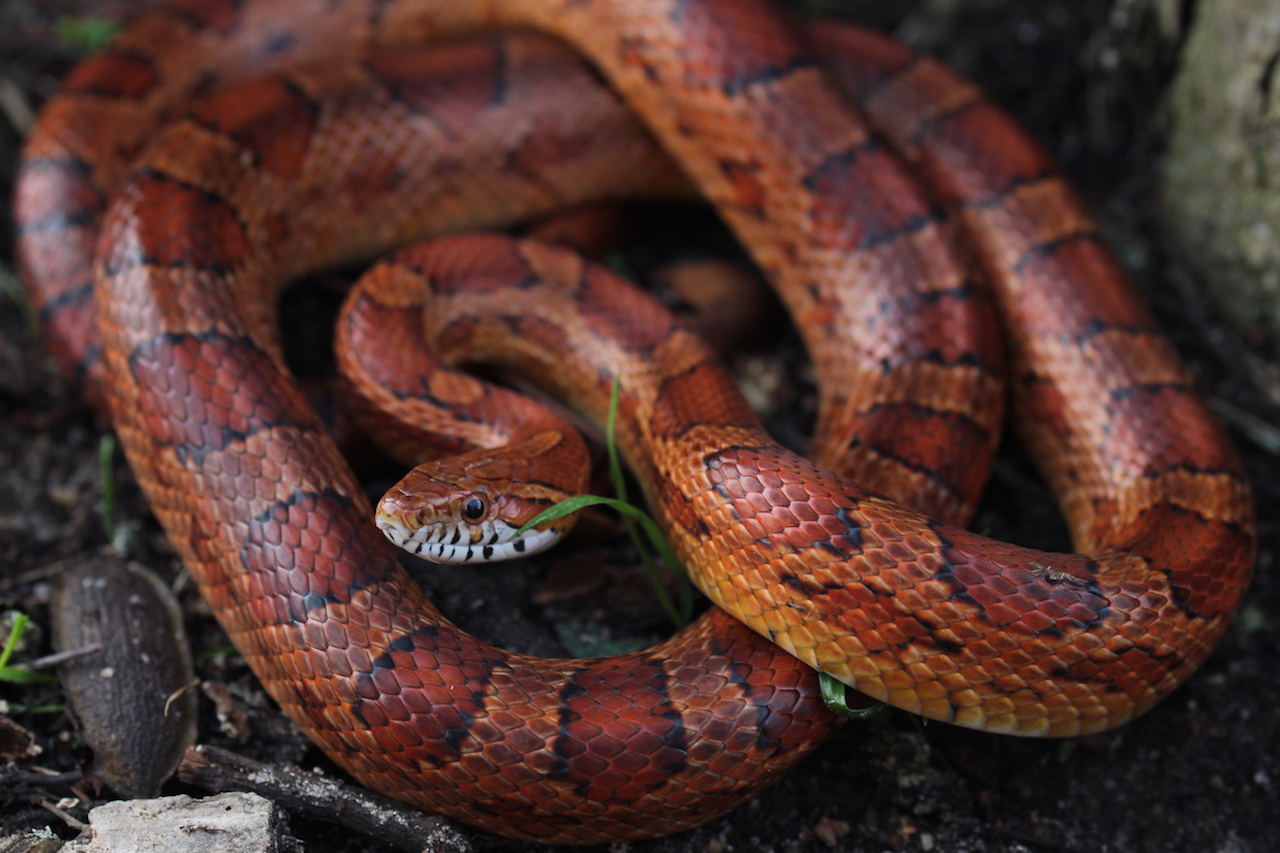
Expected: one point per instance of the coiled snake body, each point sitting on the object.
(320, 163)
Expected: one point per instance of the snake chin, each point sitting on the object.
(459, 543)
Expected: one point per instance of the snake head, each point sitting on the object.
(453, 513)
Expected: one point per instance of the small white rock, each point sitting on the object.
(226, 823)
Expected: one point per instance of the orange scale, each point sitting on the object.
(519, 775)
(1002, 614)
(613, 742)
(647, 743)
(1132, 631)
(877, 615)
(927, 684)
(796, 492)
(728, 762)
(988, 670)
(959, 688)
(950, 637)
(1022, 603)
(1040, 623)
(1040, 649)
(881, 532)
(1002, 586)
(774, 496)
(479, 764)
(404, 733)
(900, 552)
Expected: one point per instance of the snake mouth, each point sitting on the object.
(457, 543)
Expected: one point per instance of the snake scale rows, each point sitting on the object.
(190, 222)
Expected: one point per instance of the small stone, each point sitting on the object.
(227, 823)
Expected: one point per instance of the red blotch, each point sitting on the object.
(114, 75)
(220, 16)
(452, 84)
(159, 220)
(620, 312)
(482, 263)
(203, 393)
(1075, 286)
(270, 117)
(858, 59)
(748, 191)
(863, 197)
(963, 162)
(704, 394)
(729, 43)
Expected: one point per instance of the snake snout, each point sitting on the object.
(450, 537)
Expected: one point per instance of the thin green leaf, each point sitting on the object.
(16, 630)
(90, 34)
(616, 477)
(555, 512)
(835, 697)
(39, 709)
(611, 442)
(679, 615)
(16, 675)
(659, 541)
(213, 654)
(630, 515)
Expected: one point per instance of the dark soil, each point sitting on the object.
(1196, 774)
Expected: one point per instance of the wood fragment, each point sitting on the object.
(120, 694)
(316, 797)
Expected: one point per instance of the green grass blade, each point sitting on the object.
(555, 512)
(611, 442)
(13, 675)
(679, 615)
(685, 609)
(620, 489)
(90, 34)
(631, 516)
(20, 621)
(835, 697)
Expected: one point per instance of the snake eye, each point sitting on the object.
(475, 508)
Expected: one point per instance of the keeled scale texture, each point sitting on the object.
(932, 618)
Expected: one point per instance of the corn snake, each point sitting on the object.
(1196, 489)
